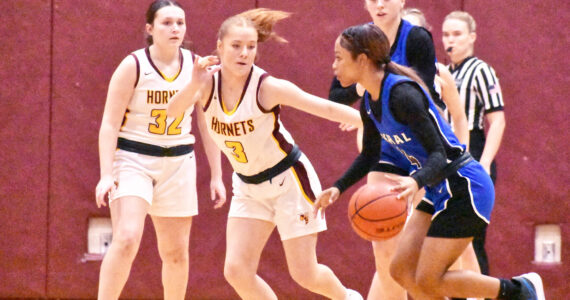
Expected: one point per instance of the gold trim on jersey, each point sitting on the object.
(169, 79)
(224, 108)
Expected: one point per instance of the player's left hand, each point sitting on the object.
(405, 186)
(218, 193)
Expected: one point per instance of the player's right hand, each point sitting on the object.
(324, 199)
(205, 67)
(347, 127)
(105, 188)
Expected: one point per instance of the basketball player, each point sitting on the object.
(410, 46)
(444, 85)
(455, 115)
(274, 184)
(147, 162)
(459, 193)
(480, 90)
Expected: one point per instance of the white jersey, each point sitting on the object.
(145, 118)
(252, 138)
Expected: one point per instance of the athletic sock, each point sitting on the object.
(510, 289)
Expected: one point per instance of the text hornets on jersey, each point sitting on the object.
(159, 97)
(232, 129)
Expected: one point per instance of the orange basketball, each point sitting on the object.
(375, 213)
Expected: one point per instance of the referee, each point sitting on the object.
(479, 88)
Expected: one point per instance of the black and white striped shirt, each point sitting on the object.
(479, 88)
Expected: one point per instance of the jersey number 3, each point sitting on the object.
(160, 126)
(238, 152)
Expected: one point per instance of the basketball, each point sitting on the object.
(375, 213)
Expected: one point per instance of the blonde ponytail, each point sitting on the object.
(262, 19)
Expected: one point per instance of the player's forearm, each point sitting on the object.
(107, 147)
(185, 98)
(213, 154)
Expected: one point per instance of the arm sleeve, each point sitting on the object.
(420, 53)
(342, 95)
(369, 156)
(408, 104)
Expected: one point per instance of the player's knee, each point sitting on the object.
(178, 255)
(127, 241)
(429, 284)
(305, 277)
(236, 273)
(401, 274)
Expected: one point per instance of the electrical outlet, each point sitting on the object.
(99, 235)
(547, 243)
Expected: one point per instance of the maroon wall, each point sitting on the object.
(51, 168)
(24, 180)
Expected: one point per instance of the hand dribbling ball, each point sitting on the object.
(375, 213)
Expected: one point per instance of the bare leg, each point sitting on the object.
(434, 278)
(173, 237)
(245, 239)
(468, 261)
(405, 260)
(307, 272)
(128, 215)
(383, 286)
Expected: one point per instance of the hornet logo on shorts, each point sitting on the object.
(304, 218)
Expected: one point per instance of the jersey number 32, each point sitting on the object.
(160, 126)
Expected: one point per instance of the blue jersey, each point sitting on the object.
(407, 151)
(399, 55)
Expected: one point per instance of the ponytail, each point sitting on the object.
(262, 19)
(405, 71)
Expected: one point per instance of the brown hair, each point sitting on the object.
(262, 19)
(370, 40)
(151, 13)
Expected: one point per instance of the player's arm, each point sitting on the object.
(121, 88)
(368, 157)
(343, 95)
(213, 153)
(198, 89)
(420, 53)
(450, 96)
(275, 92)
(409, 106)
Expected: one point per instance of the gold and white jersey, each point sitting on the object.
(252, 138)
(145, 118)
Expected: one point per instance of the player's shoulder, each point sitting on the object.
(131, 61)
(420, 40)
(420, 34)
